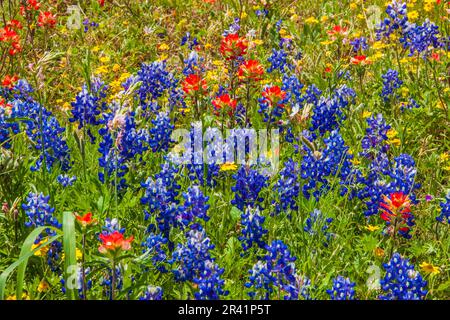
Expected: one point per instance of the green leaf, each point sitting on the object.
(69, 246)
(22, 261)
(235, 213)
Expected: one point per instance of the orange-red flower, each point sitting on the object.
(85, 220)
(338, 30)
(233, 46)
(224, 101)
(46, 19)
(396, 211)
(9, 81)
(114, 243)
(251, 70)
(14, 24)
(274, 94)
(360, 60)
(193, 83)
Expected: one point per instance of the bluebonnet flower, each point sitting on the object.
(410, 104)
(319, 165)
(160, 203)
(328, 112)
(152, 293)
(374, 141)
(39, 213)
(112, 225)
(300, 288)
(252, 231)
(195, 206)
(54, 256)
(318, 224)
(403, 176)
(262, 12)
(210, 284)
(359, 44)
(293, 87)
(233, 28)
(121, 141)
(249, 183)
(106, 281)
(46, 133)
(160, 132)
(343, 289)
(288, 188)
(278, 61)
(275, 270)
(66, 180)
(153, 245)
(312, 94)
(391, 83)
(397, 21)
(444, 215)
(421, 38)
(189, 40)
(155, 81)
(86, 108)
(402, 281)
(87, 24)
(193, 64)
(6, 128)
(191, 256)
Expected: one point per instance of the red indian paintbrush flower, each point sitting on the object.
(9, 81)
(251, 70)
(360, 60)
(193, 83)
(396, 211)
(85, 220)
(338, 30)
(233, 46)
(46, 19)
(114, 242)
(273, 94)
(224, 101)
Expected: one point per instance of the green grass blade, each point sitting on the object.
(22, 261)
(69, 245)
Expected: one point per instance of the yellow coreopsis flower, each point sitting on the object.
(116, 67)
(353, 6)
(372, 228)
(444, 157)
(366, 114)
(429, 268)
(105, 59)
(101, 70)
(228, 166)
(311, 20)
(413, 15)
(323, 19)
(258, 42)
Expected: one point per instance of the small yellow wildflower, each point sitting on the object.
(282, 32)
(372, 228)
(355, 161)
(163, 47)
(42, 251)
(116, 67)
(323, 19)
(404, 91)
(311, 20)
(101, 69)
(366, 114)
(228, 166)
(105, 59)
(66, 106)
(429, 268)
(379, 252)
(258, 42)
(43, 286)
(444, 156)
(353, 6)
(413, 15)
(25, 296)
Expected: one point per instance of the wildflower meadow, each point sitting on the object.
(224, 149)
